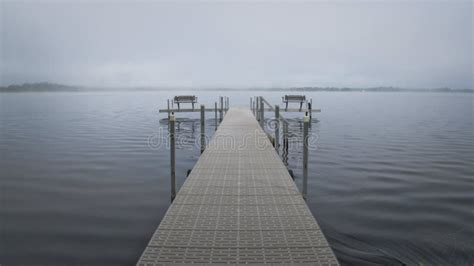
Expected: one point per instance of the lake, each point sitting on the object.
(85, 175)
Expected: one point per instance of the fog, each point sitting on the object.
(421, 44)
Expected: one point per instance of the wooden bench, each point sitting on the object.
(185, 99)
(294, 99)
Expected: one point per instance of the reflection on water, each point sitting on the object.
(84, 179)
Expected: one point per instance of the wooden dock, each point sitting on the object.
(239, 205)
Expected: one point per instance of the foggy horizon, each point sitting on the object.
(238, 45)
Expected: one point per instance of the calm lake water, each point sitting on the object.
(391, 180)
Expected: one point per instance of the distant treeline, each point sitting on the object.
(374, 89)
(46, 86)
(41, 86)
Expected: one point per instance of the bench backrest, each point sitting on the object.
(295, 98)
(185, 98)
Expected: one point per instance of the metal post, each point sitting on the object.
(255, 103)
(203, 129)
(215, 113)
(262, 113)
(222, 108)
(284, 150)
(257, 110)
(168, 109)
(172, 155)
(310, 108)
(226, 104)
(277, 127)
(285, 137)
(251, 105)
(305, 155)
(255, 106)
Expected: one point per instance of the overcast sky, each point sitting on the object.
(414, 44)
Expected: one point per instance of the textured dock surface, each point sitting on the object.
(239, 205)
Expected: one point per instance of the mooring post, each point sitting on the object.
(203, 129)
(305, 155)
(172, 155)
(262, 113)
(221, 109)
(310, 108)
(215, 113)
(277, 128)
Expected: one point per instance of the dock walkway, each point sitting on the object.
(239, 205)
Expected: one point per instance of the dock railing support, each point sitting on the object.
(168, 109)
(203, 129)
(221, 109)
(277, 128)
(225, 105)
(215, 114)
(262, 113)
(251, 105)
(172, 155)
(285, 143)
(305, 155)
(255, 106)
(256, 109)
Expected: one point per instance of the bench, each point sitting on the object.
(185, 99)
(294, 99)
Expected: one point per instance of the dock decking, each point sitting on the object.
(239, 205)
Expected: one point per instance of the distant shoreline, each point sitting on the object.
(52, 87)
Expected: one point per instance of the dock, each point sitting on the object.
(238, 205)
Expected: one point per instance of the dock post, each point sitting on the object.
(221, 109)
(215, 113)
(277, 128)
(257, 110)
(285, 143)
(262, 113)
(203, 129)
(251, 105)
(305, 155)
(225, 105)
(285, 137)
(172, 155)
(255, 106)
(168, 109)
(310, 107)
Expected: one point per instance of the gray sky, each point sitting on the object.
(415, 44)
